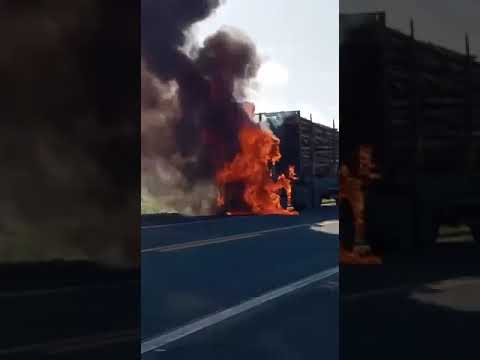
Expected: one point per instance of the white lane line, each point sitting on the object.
(148, 227)
(199, 243)
(181, 332)
(217, 240)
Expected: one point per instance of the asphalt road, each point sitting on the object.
(421, 306)
(68, 311)
(196, 273)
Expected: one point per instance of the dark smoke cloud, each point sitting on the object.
(190, 98)
(69, 113)
(227, 56)
(164, 23)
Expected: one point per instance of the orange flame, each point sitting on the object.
(220, 200)
(348, 257)
(259, 150)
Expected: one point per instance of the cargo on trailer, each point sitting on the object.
(313, 150)
(410, 141)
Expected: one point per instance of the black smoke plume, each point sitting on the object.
(69, 122)
(191, 105)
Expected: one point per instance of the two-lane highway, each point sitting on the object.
(241, 275)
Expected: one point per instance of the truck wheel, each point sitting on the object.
(347, 227)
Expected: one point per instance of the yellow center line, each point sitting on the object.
(218, 240)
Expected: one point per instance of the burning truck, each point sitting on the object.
(410, 140)
(309, 148)
(286, 162)
(202, 151)
(247, 184)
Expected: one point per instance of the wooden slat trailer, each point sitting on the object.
(410, 143)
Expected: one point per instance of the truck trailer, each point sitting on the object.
(410, 144)
(312, 148)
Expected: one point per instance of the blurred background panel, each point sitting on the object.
(70, 159)
(409, 195)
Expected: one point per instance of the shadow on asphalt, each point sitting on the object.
(418, 306)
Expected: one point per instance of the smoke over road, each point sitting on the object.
(69, 131)
(191, 111)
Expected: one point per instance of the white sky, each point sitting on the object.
(298, 41)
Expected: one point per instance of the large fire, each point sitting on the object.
(251, 167)
(197, 135)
